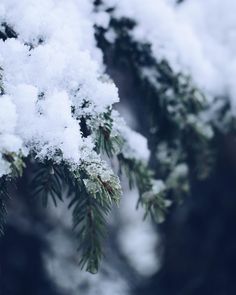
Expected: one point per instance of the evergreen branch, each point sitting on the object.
(151, 197)
(137, 172)
(47, 182)
(1, 83)
(106, 141)
(16, 167)
(4, 196)
(155, 205)
(16, 162)
(92, 202)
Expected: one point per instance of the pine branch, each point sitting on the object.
(106, 141)
(91, 204)
(47, 182)
(1, 83)
(16, 162)
(151, 198)
(4, 196)
(92, 197)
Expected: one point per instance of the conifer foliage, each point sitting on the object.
(60, 129)
(57, 116)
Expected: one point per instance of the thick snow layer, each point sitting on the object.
(53, 64)
(197, 37)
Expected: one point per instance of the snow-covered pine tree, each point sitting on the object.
(57, 119)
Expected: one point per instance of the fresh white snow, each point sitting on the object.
(64, 69)
(197, 38)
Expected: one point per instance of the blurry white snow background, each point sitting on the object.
(197, 37)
